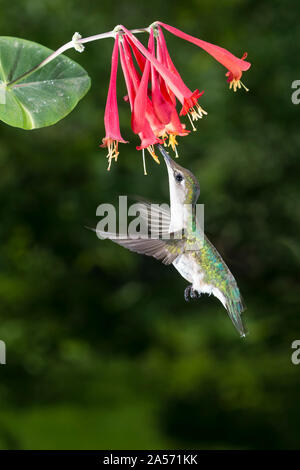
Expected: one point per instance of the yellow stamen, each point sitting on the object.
(112, 152)
(152, 153)
(235, 84)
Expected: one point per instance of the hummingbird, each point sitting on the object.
(192, 254)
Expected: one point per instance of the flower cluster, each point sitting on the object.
(153, 88)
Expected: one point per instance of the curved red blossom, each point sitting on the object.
(162, 102)
(141, 98)
(161, 57)
(191, 102)
(150, 122)
(148, 138)
(175, 126)
(234, 65)
(174, 82)
(141, 61)
(128, 77)
(153, 87)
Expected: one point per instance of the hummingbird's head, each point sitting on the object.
(184, 187)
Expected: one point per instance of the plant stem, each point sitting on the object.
(70, 45)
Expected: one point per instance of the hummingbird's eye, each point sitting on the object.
(178, 177)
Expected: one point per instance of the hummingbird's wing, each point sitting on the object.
(163, 250)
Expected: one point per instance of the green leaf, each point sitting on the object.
(44, 96)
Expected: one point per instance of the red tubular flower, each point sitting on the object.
(157, 118)
(161, 57)
(163, 101)
(174, 128)
(148, 140)
(127, 76)
(134, 81)
(132, 77)
(154, 85)
(111, 116)
(191, 107)
(234, 65)
(137, 54)
(164, 53)
(173, 81)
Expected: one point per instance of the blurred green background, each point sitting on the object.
(102, 350)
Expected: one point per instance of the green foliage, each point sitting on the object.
(44, 96)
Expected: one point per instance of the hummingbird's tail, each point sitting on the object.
(235, 307)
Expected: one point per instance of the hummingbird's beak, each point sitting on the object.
(167, 158)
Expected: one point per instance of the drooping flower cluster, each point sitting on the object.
(153, 88)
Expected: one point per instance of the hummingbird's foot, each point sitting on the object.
(189, 292)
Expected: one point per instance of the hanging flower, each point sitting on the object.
(173, 81)
(111, 116)
(153, 87)
(141, 98)
(142, 114)
(234, 65)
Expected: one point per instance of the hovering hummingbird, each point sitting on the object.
(192, 254)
